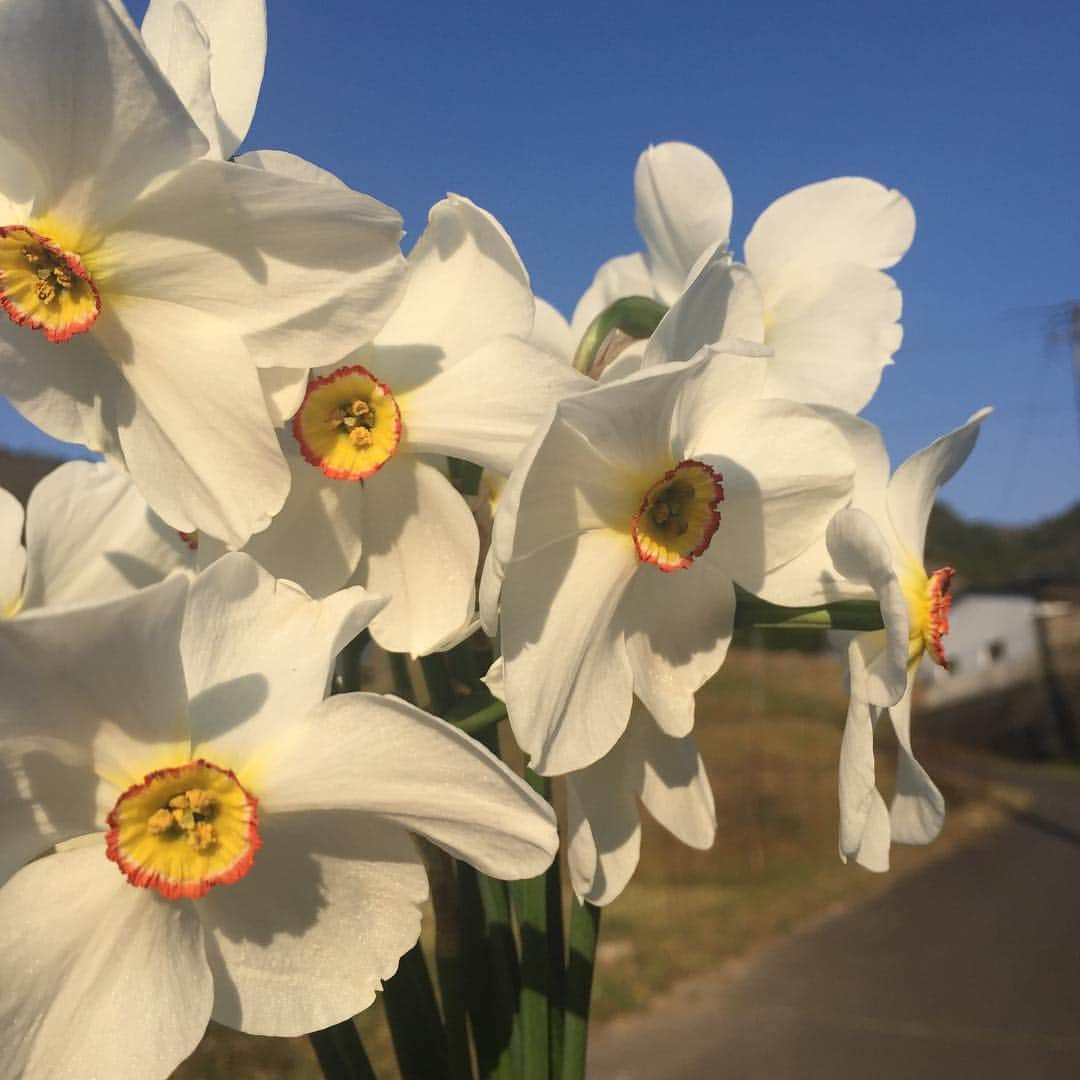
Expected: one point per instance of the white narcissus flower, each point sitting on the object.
(224, 842)
(143, 286)
(878, 543)
(89, 536)
(450, 375)
(812, 287)
(623, 530)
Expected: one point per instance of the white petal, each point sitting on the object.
(19, 182)
(832, 329)
(78, 731)
(723, 301)
(316, 540)
(490, 591)
(568, 679)
(864, 819)
(603, 826)
(305, 271)
(285, 164)
(629, 421)
(73, 391)
(504, 527)
(179, 43)
(283, 391)
(305, 939)
(625, 275)
(385, 757)
(258, 653)
(666, 774)
(88, 107)
(466, 285)
(918, 808)
(678, 627)
(675, 788)
(682, 206)
(12, 553)
(207, 460)
(551, 332)
(421, 548)
(786, 470)
(715, 376)
(628, 362)
(810, 578)
(236, 32)
(101, 978)
(871, 463)
(564, 484)
(915, 484)
(862, 555)
(91, 536)
(847, 219)
(495, 679)
(485, 408)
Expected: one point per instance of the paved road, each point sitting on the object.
(969, 968)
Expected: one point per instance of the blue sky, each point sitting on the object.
(538, 113)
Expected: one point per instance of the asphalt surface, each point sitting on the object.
(967, 968)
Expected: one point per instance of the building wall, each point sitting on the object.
(987, 631)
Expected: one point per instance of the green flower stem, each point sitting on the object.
(539, 917)
(556, 947)
(473, 717)
(839, 615)
(413, 1015)
(490, 969)
(439, 685)
(584, 934)
(341, 1054)
(634, 316)
(399, 670)
(448, 961)
(493, 977)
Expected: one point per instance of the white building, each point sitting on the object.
(993, 642)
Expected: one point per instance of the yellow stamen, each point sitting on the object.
(349, 424)
(184, 830)
(43, 286)
(928, 601)
(678, 516)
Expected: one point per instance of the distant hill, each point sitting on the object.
(986, 555)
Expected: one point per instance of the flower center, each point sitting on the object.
(348, 424)
(184, 830)
(44, 287)
(929, 601)
(678, 516)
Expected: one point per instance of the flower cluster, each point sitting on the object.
(310, 439)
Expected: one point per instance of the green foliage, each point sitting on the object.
(987, 556)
